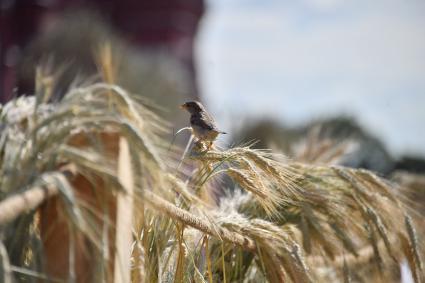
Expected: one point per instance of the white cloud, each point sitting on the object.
(321, 57)
(371, 45)
(324, 5)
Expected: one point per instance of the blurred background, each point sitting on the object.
(273, 71)
(294, 61)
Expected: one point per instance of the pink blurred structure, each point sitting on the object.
(170, 25)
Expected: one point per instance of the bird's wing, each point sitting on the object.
(203, 121)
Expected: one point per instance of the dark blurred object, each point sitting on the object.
(363, 151)
(157, 26)
(411, 164)
(369, 152)
(268, 134)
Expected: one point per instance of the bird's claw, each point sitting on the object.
(202, 146)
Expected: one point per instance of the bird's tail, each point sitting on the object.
(223, 133)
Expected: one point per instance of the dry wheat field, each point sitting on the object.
(92, 189)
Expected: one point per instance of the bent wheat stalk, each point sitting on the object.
(198, 223)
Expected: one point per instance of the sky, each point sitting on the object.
(294, 61)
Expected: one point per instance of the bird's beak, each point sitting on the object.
(183, 106)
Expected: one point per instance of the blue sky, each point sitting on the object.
(300, 60)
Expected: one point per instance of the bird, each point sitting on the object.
(202, 124)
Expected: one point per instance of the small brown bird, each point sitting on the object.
(203, 125)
